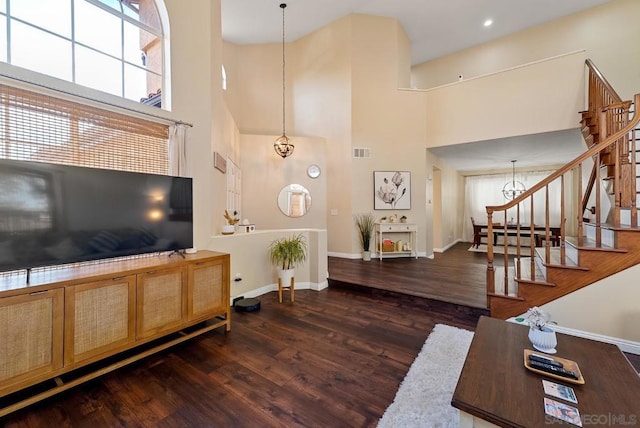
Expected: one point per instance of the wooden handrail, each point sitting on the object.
(592, 67)
(569, 166)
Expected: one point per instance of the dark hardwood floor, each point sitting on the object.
(456, 276)
(332, 358)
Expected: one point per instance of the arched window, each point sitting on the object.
(115, 46)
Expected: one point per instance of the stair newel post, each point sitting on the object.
(634, 190)
(562, 221)
(581, 208)
(616, 184)
(547, 241)
(505, 256)
(532, 260)
(517, 272)
(491, 285)
(598, 203)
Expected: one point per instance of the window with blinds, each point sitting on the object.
(37, 127)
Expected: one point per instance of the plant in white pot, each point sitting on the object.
(286, 254)
(230, 227)
(541, 336)
(365, 223)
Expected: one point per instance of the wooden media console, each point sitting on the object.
(72, 317)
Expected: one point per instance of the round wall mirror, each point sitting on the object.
(294, 200)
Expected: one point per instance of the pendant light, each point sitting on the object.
(512, 189)
(282, 145)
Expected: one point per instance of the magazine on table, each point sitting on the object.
(559, 391)
(562, 411)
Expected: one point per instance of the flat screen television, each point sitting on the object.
(58, 214)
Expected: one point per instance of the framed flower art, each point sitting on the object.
(391, 190)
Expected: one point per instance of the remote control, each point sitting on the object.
(553, 369)
(541, 359)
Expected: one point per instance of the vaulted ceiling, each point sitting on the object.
(434, 27)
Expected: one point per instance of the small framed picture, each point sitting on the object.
(392, 190)
(219, 162)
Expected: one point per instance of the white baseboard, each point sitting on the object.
(344, 255)
(624, 345)
(274, 287)
(446, 247)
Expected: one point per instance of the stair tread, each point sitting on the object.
(611, 226)
(499, 281)
(554, 257)
(590, 244)
(525, 271)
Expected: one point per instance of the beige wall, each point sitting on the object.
(609, 307)
(445, 200)
(608, 33)
(388, 121)
(265, 174)
(195, 71)
(539, 97)
(250, 261)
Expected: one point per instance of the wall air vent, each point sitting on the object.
(361, 152)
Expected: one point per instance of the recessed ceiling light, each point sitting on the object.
(488, 22)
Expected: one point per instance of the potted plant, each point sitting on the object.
(285, 254)
(230, 227)
(541, 336)
(365, 222)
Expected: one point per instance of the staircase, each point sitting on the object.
(592, 245)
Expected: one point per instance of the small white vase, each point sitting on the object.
(366, 256)
(543, 340)
(228, 229)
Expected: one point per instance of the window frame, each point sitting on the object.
(159, 33)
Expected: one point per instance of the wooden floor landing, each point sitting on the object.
(456, 276)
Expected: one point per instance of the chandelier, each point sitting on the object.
(512, 189)
(282, 145)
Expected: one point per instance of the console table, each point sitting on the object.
(495, 389)
(397, 228)
(85, 317)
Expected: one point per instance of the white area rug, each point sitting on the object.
(424, 397)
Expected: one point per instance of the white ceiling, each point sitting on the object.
(435, 27)
(534, 150)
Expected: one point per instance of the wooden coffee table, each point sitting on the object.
(495, 387)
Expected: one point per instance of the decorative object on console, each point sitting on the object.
(285, 254)
(365, 222)
(512, 189)
(246, 227)
(230, 227)
(283, 146)
(391, 190)
(541, 336)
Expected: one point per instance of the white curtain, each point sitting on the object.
(178, 150)
(483, 190)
